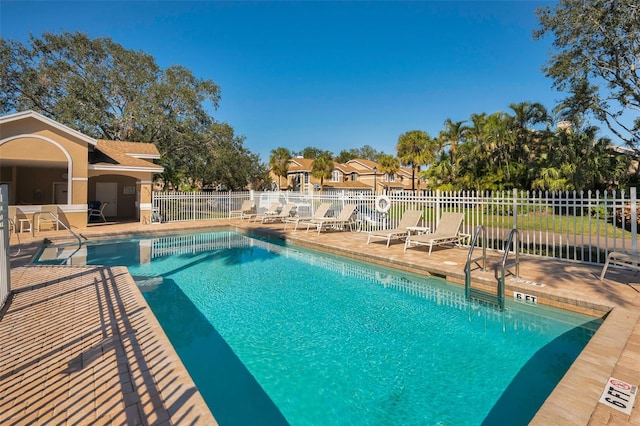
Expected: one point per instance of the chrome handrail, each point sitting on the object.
(467, 268)
(516, 250)
(53, 215)
(13, 224)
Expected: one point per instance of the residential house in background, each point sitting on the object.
(354, 175)
(46, 163)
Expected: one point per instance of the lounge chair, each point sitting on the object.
(49, 216)
(626, 259)
(19, 220)
(343, 220)
(320, 212)
(98, 212)
(448, 231)
(279, 217)
(409, 218)
(245, 210)
(273, 210)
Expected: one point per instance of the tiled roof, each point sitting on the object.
(349, 184)
(362, 164)
(300, 164)
(134, 149)
(122, 159)
(345, 168)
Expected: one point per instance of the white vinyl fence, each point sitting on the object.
(5, 272)
(581, 226)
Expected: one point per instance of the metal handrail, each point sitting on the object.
(467, 268)
(37, 215)
(516, 250)
(13, 224)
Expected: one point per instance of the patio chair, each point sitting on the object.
(447, 232)
(628, 260)
(279, 217)
(98, 212)
(49, 216)
(273, 210)
(19, 220)
(343, 220)
(320, 212)
(409, 218)
(246, 209)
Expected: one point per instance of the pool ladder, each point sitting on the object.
(480, 295)
(36, 215)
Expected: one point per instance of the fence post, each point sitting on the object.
(5, 274)
(436, 219)
(515, 208)
(634, 218)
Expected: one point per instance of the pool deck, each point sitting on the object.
(79, 345)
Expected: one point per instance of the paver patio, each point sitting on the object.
(80, 345)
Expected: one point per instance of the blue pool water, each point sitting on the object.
(275, 334)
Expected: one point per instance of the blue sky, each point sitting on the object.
(333, 75)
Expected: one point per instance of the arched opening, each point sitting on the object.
(36, 169)
(120, 191)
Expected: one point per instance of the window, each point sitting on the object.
(354, 176)
(335, 176)
(389, 178)
(306, 177)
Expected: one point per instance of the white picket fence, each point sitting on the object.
(578, 226)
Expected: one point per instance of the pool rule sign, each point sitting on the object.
(619, 395)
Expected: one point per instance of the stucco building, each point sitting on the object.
(45, 163)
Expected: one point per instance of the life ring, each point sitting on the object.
(383, 203)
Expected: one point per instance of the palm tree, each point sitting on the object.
(441, 172)
(322, 167)
(413, 151)
(454, 133)
(279, 162)
(389, 164)
(529, 114)
(526, 139)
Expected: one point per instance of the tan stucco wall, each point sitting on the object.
(68, 215)
(50, 152)
(30, 148)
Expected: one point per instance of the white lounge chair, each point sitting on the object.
(626, 259)
(285, 213)
(272, 210)
(448, 232)
(320, 213)
(409, 218)
(343, 220)
(49, 216)
(245, 210)
(98, 213)
(19, 220)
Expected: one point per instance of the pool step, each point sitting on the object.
(484, 298)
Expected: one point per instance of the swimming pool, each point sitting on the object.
(275, 334)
